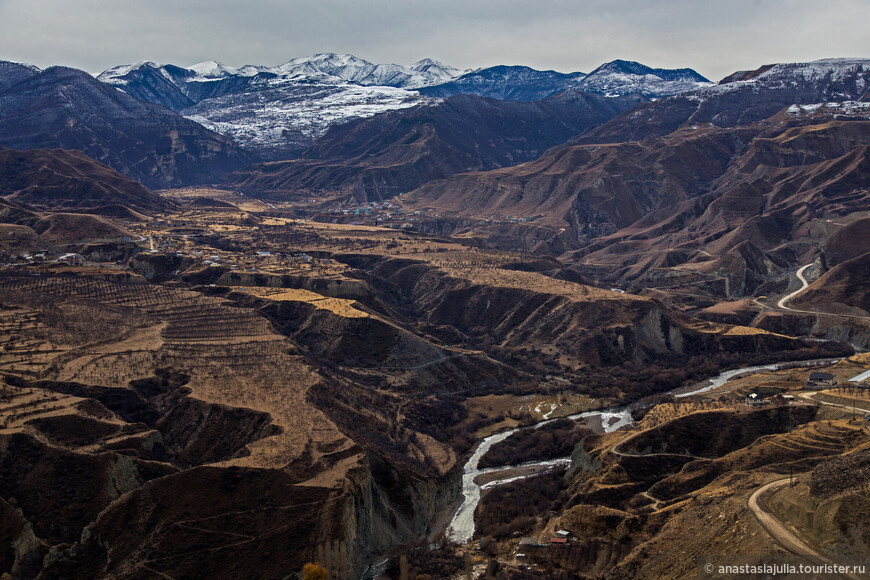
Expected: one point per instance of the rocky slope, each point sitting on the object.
(738, 205)
(693, 492)
(531, 321)
(380, 157)
(67, 108)
(123, 431)
(842, 289)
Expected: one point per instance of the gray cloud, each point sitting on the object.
(713, 36)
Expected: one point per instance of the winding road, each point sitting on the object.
(854, 410)
(781, 304)
(619, 452)
(778, 530)
(774, 526)
(789, 297)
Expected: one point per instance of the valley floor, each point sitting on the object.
(184, 393)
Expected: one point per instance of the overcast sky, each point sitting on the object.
(715, 37)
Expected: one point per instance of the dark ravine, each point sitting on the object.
(382, 500)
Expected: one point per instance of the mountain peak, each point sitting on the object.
(625, 66)
(506, 82)
(212, 69)
(426, 62)
(432, 64)
(13, 72)
(123, 69)
(7, 64)
(333, 59)
(624, 77)
(632, 67)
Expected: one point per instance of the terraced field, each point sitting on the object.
(233, 355)
(19, 406)
(20, 349)
(353, 366)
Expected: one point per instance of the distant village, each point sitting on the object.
(391, 213)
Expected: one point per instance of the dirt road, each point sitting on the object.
(788, 297)
(778, 530)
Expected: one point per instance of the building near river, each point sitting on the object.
(755, 400)
(820, 380)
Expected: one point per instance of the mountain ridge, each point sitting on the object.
(279, 111)
(703, 204)
(377, 158)
(742, 98)
(614, 78)
(58, 179)
(66, 108)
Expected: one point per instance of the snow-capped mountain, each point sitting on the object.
(66, 108)
(849, 74)
(151, 82)
(276, 110)
(279, 110)
(356, 70)
(342, 66)
(760, 93)
(510, 83)
(622, 77)
(281, 115)
(745, 97)
(613, 79)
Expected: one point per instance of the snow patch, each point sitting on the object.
(292, 104)
(849, 108)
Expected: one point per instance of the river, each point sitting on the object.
(461, 528)
(722, 378)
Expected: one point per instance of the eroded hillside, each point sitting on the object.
(241, 367)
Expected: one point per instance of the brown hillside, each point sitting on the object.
(845, 288)
(726, 210)
(385, 155)
(57, 180)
